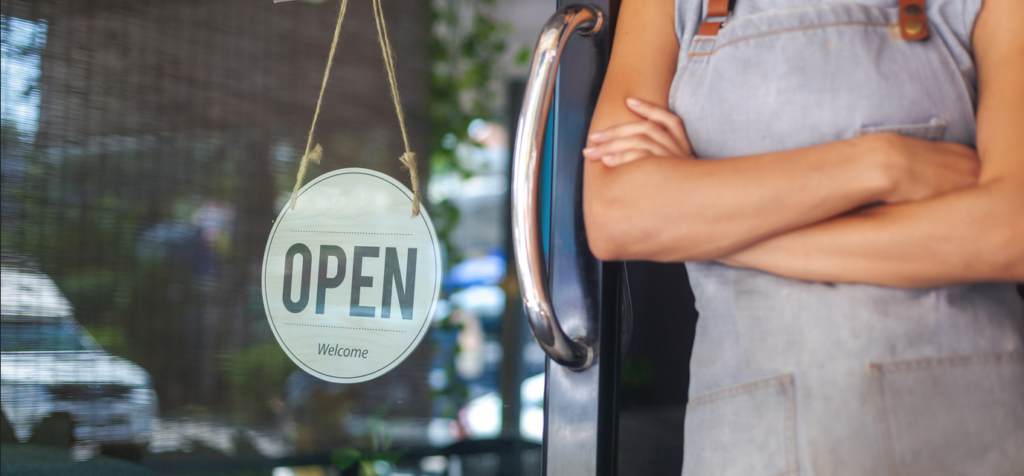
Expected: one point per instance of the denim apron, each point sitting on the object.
(814, 378)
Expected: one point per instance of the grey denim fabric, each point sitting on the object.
(811, 378)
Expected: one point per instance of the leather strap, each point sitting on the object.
(913, 22)
(709, 28)
(720, 9)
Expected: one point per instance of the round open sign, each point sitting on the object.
(350, 279)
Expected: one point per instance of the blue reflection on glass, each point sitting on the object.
(21, 47)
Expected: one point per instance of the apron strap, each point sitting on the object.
(913, 22)
(718, 12)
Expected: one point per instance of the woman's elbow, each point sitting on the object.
(618, 231)
(604, 232)
(1006, 252)
(622, 224)
(1000, 241)
(604, 248)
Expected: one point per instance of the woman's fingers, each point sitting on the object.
(926, 169)
(626, 149)
(660, 134)
(625, 157)
(623, 144)
(663, 117)
(646, 128)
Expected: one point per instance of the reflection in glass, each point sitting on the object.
(58, 385)
(54, 336)
(147, 148)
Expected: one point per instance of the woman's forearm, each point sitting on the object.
(682, 209)
(968, 236)
(676, 209)
(972, 235)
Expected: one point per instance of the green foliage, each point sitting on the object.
(446, 217)
(463, 78)
(380, 451)
(255, 374)
(111, 338)
(465, 49)
(463, 86)
(343, 458)
(634, 373)
(9, 137)
(523, 55)
(455, 392)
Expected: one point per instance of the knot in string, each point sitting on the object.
(409, 163)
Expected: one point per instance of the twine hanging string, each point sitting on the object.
(408, 159)
(316, 153)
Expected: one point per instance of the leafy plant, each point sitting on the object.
(463, 86)
(111, 338)
(255, 374)
(380, 448)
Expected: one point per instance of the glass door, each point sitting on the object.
(148, 147)
(615, 401)
(572, 300)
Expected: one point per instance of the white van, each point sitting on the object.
(52, 366)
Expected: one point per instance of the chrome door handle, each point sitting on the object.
(575, 354)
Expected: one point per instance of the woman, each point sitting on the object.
(853, 258)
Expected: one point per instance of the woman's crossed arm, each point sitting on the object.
(761, 211)
(976, 234)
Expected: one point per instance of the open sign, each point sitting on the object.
(350, 279)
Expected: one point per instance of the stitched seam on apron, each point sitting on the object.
(936, 128)
(885, 432)
(951, 361)
(969, 107)
(878, 370)
(783, 381)
(787, 30)
(790, 429)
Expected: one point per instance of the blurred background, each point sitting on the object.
(147, 148)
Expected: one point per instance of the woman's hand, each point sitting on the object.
(921, 169)
(660, 134)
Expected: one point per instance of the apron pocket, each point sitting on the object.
(958, 415)
(933, 130)
(747, 430)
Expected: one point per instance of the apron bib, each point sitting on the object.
(799, 377)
